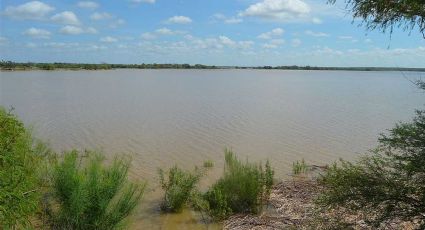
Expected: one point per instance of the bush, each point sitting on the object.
(179, 187)
(208, 164)
(387, 184)
(299, 167)
(242, 189)
(19, 157)
(94, 196)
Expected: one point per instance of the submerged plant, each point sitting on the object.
(90, 195)
(179, 186)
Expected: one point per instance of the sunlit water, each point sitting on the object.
(184, 117)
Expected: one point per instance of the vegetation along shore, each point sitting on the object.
(17, 66)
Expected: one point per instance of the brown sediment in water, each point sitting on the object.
(291, 206)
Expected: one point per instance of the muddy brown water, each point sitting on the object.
(184, 117)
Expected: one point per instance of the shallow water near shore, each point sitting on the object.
(184, 117)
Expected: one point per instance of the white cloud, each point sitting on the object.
(278, 10)
(269, 46)
(37, 33)
(61, 45)
(100, 16)
(71, 30)
(219, 43)
(143, 1)
(108, 39)
(327, 51)
(274, 43)
(245, 44)
(179, 20)
(3, 40)
(91, 30)
(316, 34)
(160, 32)
(117, 23)
(274, 33)
(96, 48)
(233, 20)
(66, 17)
(88, 5)
(345, 37)
(31, 45)
(164, 31)
(317, 21)
(226, 41)
(227, 20)
(29, 10)
(296, 42)
(148, 36)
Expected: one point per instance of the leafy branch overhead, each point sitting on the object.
(388, 14)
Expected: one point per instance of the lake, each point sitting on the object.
(184, 117)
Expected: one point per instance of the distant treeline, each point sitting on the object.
(9, 65)
(294, 67)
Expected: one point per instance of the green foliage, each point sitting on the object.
(19, 157)
(208, 164)
(387, 184)
(242, 189)
(179, 187)
(94, 196)
(299, 167)
(385, 14)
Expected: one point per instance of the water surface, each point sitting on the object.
(183, 117)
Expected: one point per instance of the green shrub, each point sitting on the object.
(178, 187)
(19, 158)
(242, 189)
(92, 196)
(386, 184)
(299, 167)
(208, 164)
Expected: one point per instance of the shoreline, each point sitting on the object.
(291, 206)
(374, 69)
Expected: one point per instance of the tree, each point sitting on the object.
(387, 14)
(387, 184)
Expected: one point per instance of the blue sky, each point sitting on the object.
(217, 32)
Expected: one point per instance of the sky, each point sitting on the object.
(215, 32)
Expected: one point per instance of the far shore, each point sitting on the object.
(15, 66)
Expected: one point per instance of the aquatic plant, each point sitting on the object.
(208, 164)
(300, 167)
(179, 186)
(90, 195)
(242, 189)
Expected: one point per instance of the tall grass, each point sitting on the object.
(242, 189)
(90, 195)
(179, 187)
(300, 167)
(208, 164)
